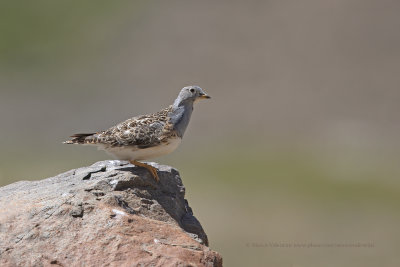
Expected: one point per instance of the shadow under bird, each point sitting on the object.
(146, 136)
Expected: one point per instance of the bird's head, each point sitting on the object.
(191, 94)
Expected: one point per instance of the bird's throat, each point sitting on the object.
(180, 117)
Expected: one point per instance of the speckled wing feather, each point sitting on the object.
(141, 131)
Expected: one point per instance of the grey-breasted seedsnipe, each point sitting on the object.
(146, 136)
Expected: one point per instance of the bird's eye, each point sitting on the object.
(192, 90)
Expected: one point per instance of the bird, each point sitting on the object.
(146, 136)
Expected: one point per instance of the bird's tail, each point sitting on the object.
(80, 138)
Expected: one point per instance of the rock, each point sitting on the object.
(109, 214)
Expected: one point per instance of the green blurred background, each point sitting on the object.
(299, 143)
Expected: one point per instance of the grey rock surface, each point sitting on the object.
(108, 214)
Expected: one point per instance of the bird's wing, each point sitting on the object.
(141, 131)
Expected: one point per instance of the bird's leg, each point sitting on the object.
(151, 169)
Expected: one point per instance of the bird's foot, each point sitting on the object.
(150, 168)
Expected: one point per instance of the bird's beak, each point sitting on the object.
(204, 96)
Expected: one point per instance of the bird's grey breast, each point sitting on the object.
(180, 117)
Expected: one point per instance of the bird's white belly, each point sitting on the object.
(133, 153)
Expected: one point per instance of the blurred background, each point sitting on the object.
(299, 143)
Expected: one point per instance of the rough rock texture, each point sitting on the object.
(108, 214)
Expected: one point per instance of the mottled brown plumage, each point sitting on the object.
(142, 131)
